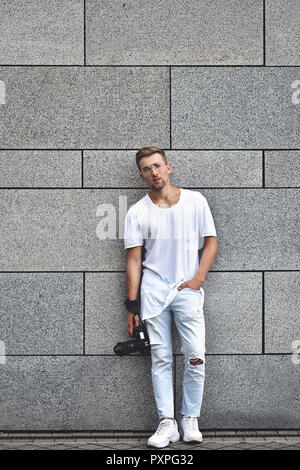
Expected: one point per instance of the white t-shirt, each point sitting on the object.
(172, 237)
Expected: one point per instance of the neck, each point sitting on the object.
(167, 195)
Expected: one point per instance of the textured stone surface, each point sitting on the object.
(41, 313)
(231, 108)
(40, 168)
(174, 32)
(76, 108)
(111, 169)
(59, 229)
(256, 228)
(190, 169)
(282, 32)
(77, 393)
(282, 168)
(70, 393)
(232, 311)
(43, 32)
(281, 311)
(248, 391)
(105, 312)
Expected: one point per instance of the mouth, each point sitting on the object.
(156, 180)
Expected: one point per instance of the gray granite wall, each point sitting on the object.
(83, 85)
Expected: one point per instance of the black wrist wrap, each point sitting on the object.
(133, 306)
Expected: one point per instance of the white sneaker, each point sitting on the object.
(189, 426)
(167, 431)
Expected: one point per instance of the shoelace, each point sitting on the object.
(162, 425)
(192, 423)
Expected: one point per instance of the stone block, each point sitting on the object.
(234, 108)
(40, 168)
(76, 107)
(281, 311)
(44, 32)
(41, 313)
(174, 32)
(248, 392)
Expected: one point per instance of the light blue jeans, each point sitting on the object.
(187, 311)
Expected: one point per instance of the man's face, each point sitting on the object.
(154, 171)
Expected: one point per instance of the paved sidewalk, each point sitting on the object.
(225, 440)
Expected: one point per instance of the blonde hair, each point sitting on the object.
(146, 152)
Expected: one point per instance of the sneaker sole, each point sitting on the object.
(193, 442)
(165, 443)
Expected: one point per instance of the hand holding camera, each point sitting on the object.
(137, 329)
(132, 320)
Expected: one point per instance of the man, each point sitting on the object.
(172, 224)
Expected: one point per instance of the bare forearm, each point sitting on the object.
(133, 278)
(207, 260)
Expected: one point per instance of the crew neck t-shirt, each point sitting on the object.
(171, 237)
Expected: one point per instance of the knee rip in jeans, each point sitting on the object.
(195, 360)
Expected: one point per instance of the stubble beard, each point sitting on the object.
(162, 184)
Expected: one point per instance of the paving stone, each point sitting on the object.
(134, 444)
(34, 447)
(19, 446)
(245, 445)
(233, 439)
(276, 445)
(229, 448)
(212, 444)
(295, 447)
(96, 447)
(292, 439)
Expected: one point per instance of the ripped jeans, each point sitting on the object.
(187, 310)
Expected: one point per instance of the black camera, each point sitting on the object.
(140, 343)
